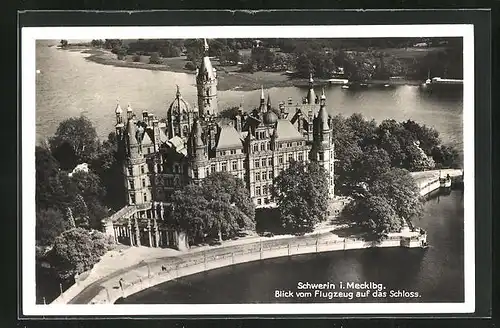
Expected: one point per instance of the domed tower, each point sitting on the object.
(270, 118)
(198, 152)
(322, 150)
(180, 117)
(206, 83)
(135, 170)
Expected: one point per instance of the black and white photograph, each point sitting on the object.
(248, 170)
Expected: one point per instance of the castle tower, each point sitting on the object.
(135, 170)
(206, 83)
(322, 150)
(180, 117)
(198, 152)
(311, 95)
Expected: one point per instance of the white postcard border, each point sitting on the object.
(28, 115)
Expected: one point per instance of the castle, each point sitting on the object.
(193, 142)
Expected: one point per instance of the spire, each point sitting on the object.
(268, 101)
(311, 95)
(118, 109)
(205, 46)
(129, 109)
(178, 92)
(262, 97)
(323, 118)
(323, 98)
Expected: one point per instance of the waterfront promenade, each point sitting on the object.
(143, 267)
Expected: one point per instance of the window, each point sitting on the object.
(263, 162)
(195, 173)
(176, 168)
(257, 163)
(142, 169)
(143, 183)
(270, 161)
(280, 159)
(132, 198)
(158, 167)
(131, 182)
(257, 191)
(145, 197)
(255, 147)
(235, 165)
(270, 175)
(257, 176)
(130, 171)
(289, 144)
(259, 201)
(264, 190)
(222, 153)
(207, 172)
(149, 150)
(224, 166)
(268, 146)
(321, 156)
(301, 157)
(212, 168)
(290, 157)
(233, 151)
(262, 146)
(281, 145)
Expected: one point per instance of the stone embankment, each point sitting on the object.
(154, 271)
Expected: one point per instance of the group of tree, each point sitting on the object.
(365, 150)
(301, 193)
(373, 164)
(84, 197)
(386, 203)
(71, 204)
(217, 208)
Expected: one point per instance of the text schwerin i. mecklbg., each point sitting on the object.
(341, 285)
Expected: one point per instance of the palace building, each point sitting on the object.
(193, 142)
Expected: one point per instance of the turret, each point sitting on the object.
(130, 112)
(118, 114)
(262, 106)
(206, 83)
(132, 143)
(311, 95)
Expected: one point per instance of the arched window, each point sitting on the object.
(185, 131)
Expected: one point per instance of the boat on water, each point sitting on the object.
(445, 182)
(345, 86)
(37, 71)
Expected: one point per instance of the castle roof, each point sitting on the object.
(228, 138)
(179, 105)
(118, 109)
(177, 144)
(286, 131)
(323, 119)
(311, 95)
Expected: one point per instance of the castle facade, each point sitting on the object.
(193, 142)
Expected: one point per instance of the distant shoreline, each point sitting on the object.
(229, 78)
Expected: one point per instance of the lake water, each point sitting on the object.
(68, 85)
(436, 273)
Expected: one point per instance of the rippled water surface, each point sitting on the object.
(69, 85)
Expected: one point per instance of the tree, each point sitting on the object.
(401, 191)
(76, 139)
(75, 251)
(427, 137)
(301, 192)
(371, 164)
(50, 223)
(64, 43)
(375, 215)
(446, 157)
(155, 58)
(219, 206)
(190, 66)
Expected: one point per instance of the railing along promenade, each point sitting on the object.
(170, 268)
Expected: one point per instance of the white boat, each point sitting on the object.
(445, 182)
(37, 71)
(345, 87)
(387, 85)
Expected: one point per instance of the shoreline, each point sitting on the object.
(230, 79)
(104, 289)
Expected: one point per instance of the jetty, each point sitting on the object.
(429, 181)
